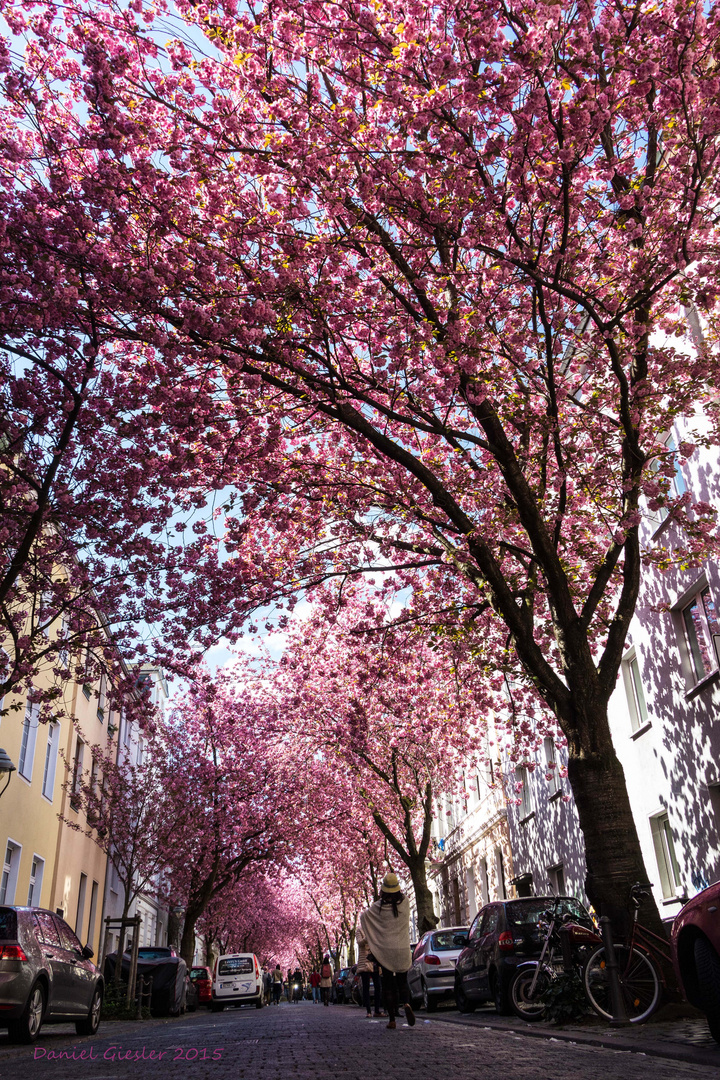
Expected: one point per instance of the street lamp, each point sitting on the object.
(6, 766)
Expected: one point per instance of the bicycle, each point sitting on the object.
(640, 976)
(566, 945)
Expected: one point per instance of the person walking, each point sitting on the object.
(277, 984)
(315, 984)
(385, 925)
(326, 979)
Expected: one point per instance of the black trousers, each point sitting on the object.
(395, 991)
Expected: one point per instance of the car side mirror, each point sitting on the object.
(87, 952)
(460, 940)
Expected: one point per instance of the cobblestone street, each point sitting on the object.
(311, 1042)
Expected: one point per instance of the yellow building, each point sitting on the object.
(46, 863)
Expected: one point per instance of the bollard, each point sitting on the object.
(617, 1001)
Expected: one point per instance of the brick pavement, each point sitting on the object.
(309, 1042)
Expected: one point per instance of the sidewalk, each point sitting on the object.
(668, 1035)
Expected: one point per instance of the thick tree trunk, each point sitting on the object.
(426, 917)
(613, 855)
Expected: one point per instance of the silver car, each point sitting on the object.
(432, 975)
(46, 976)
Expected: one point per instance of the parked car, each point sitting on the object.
(432, 975)
(46, 976)
(169, 977)
(342, 985)
(201, 978)
(503, 935)
(237, 980)
(695, 941)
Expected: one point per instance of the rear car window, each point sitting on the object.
(529, 912)
(155, 954)
(236, 965)
(8, 923)
(46, 929)
(198, 973)
(445, 941)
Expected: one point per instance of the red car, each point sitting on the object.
(696, 953)
(202, 980)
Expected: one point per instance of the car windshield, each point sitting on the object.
(526, 913)
(8, 923)
(445, 941)
(235, 965)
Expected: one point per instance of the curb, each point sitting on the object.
(684, 1052)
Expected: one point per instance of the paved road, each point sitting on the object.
(309, 1042)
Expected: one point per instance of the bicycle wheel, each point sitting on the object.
(639, 983)
(525, 1002)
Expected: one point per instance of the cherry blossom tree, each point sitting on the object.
(123, 805)
(250, 794)
(397, 720)
(424, 253)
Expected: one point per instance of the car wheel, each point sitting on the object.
(707, 963)
(27, 1027)
(259, 1003)
(91, 1023)
(463, 1002)
(216, 1008)
(430, 1004)
(498, 997)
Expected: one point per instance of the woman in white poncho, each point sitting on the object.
(386, 928)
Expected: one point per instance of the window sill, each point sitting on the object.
(704, 683)
(673, 900)
(642, 729)
(555, 795)
(528, 817)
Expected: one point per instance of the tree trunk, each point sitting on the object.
(612, 849)
(187, 942)
(426, 917)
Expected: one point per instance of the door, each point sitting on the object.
(81, 972)
(466, 967)
(413, 976)
(485, 950)
(56, 960)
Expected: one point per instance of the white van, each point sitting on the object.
(237, 980)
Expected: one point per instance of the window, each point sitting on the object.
(522, 784)
(36, 876)
(140, 751)
(77, 775)
(500, 870)
(67, 938)
(27, 743)
(634, 691)
(47, 930)
(484, 882)
(102, 697)
(51, 755)
(676, 484)
(490, 922)
(81, 905)
(665, 854)
(702, 633)
(556, 879)
(11, 865)
(551, 766)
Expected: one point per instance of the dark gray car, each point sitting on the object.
(46, 976)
